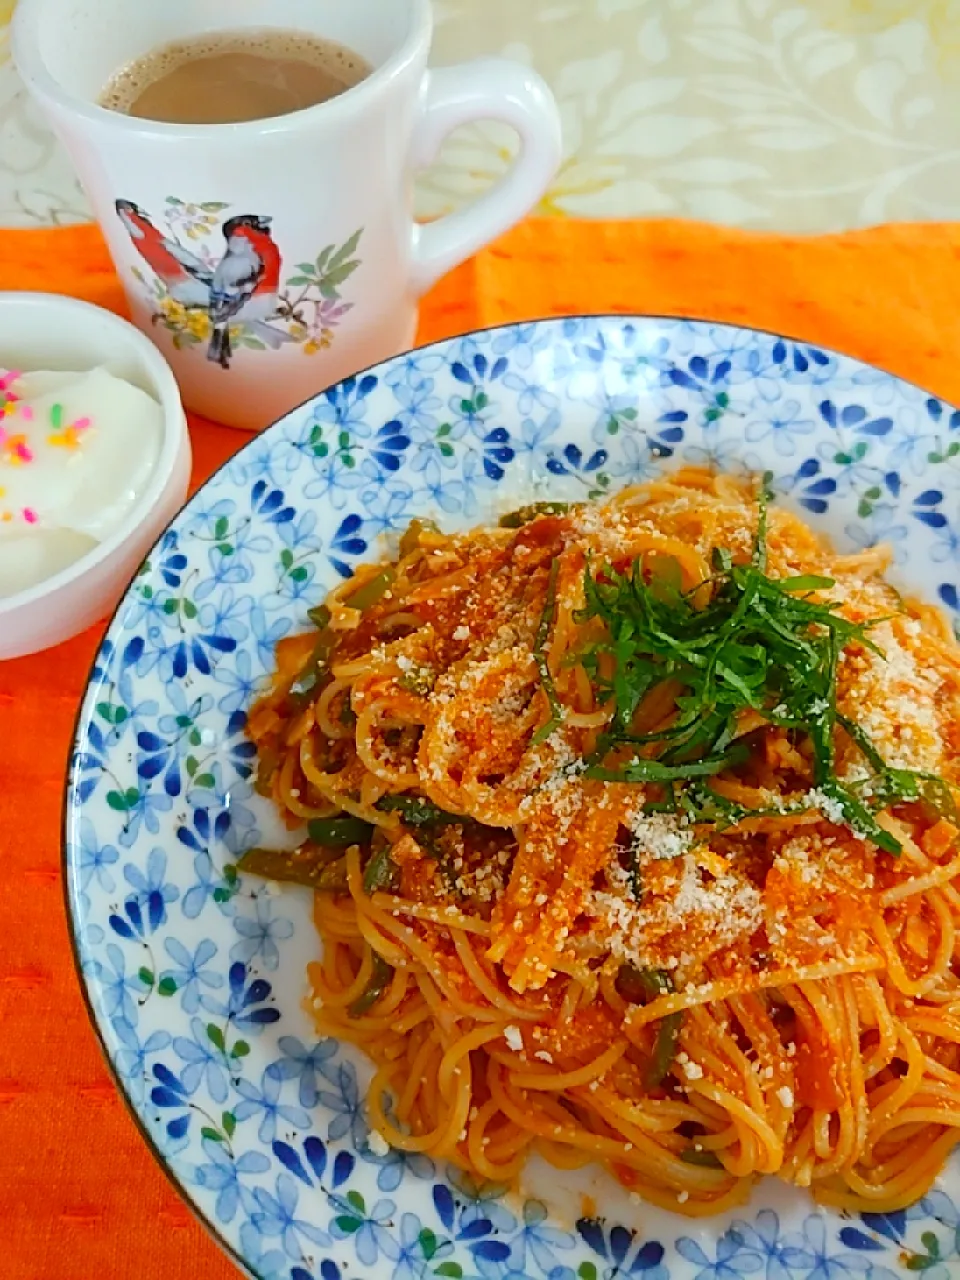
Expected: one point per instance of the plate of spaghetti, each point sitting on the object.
(513, 828)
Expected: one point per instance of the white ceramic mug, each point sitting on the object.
(318, 203)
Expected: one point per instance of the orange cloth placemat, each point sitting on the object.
(80, 1196)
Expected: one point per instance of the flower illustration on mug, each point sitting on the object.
(235, 295)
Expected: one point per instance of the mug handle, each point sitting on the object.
(485, 89)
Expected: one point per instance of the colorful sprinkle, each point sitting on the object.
(10, 400)
(64, 435)
(29, 514)
(69, 438)
(16, 449)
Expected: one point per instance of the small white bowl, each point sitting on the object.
(48, 331)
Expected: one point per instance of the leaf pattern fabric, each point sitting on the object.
(789, 115)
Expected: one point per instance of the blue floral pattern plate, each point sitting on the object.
(196, 975)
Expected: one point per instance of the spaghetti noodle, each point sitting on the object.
(633, 837)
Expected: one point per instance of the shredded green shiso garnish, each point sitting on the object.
(758, 643)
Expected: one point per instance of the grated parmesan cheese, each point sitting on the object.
(831, 808)
(377, 1143)
(715, 912)
(513, 1038)
(795, 859)
(662, 835)
(892, 698)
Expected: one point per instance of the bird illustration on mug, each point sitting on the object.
(236, 299)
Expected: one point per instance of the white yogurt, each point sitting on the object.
(76, 452)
